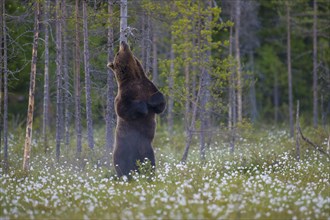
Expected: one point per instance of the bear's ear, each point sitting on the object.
(111, 66)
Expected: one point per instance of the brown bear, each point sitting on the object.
(136, 103)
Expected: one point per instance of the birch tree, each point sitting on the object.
(90, 135)
(29, 123)
(238, 59)
(170, 105)
(123, 21)
(46, 78)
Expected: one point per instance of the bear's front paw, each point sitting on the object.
(140, 108)
(157, 102)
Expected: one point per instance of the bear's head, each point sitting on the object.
(125, 65)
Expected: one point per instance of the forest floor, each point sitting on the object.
(261, 179)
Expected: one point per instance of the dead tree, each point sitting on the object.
(29, 123)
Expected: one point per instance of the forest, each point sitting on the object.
(245, 132)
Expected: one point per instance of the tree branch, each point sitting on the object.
(312, 144)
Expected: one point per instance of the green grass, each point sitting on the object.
(262, 179)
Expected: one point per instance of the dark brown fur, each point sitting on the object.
(137, 102)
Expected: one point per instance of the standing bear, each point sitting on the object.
(136, 103)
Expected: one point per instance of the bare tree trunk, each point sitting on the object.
(45, 119)
(189, 133)
(66, 77)
(232, 97)
(289, 68)
(252, 92)
(171, 91)
(143, 39)
(58, 78)
(77, 87)
(297, 133)
(154, 57)
(276, 98)
(238, 60)
(231, 81)
(123, 21)
(109, 118)
(205, 92)
(323, 112)
(148, 45)
(315, 96)
(1, 72)
(28, 135)
(187, 91)
(5, 87)
(90, 136)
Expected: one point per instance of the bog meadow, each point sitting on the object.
(246, 129)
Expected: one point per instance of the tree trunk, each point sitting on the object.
(187, 91)
(45, 119)
(252, 92)
(189, 133)
(5, 88)
(123, 21)
(90, 136)
(238, 60)
(58, 78)
(315, 96)
(205, 92)
(109, 118)
(1, 72)
(143, 40)
(233, 104)
(232, 96)
(297, 134)
(276, 98)
(66, 77)
(171, 91)
(231, 79)
(289, 68)
(148, 45)
(154, 57)
(28, 134)
(77, 86)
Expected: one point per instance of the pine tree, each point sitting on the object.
(59, 76)
(90, 133)
(77, 87)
